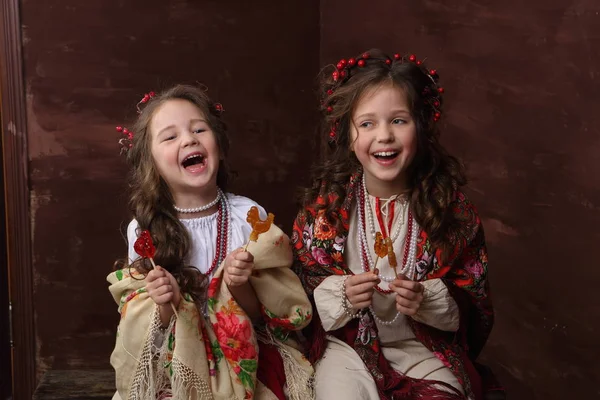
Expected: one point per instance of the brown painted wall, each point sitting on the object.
(86, 65)
(522, 111)
(522, 84)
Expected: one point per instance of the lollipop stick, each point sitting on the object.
(375, 265)
(171, 303)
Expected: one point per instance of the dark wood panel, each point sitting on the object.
(16, 173)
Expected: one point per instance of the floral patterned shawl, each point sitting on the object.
(214, 355)
(318, 251)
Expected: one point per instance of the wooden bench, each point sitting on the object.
(80, 385)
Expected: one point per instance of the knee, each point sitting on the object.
(340, 382)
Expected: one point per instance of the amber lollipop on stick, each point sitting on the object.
(258, 226)
(145, 248)
(391, 255)
(380, 250)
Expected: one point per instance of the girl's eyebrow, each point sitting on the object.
(371, 115)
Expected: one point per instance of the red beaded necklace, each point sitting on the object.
(364, 250)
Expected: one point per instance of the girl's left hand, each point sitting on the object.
(409, 295)
(239, 265)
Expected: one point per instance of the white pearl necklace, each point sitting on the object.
(369, 212)
(409, 268)
(201, 208)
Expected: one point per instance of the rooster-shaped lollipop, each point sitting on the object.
(258, 226)
(385, 247)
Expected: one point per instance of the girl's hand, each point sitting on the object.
(163, 287)
(239, 265)
(409, 295)
(360, 289)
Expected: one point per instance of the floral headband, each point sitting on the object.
(346, 67)
(126, 142)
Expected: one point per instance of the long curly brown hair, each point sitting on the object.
(151, 201)
(434, 175)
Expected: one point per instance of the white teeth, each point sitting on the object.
(192, 156)
(385, 153)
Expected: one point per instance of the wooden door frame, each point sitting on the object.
(5, 345)
(17, 196)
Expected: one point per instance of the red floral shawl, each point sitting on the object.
(318, 250)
